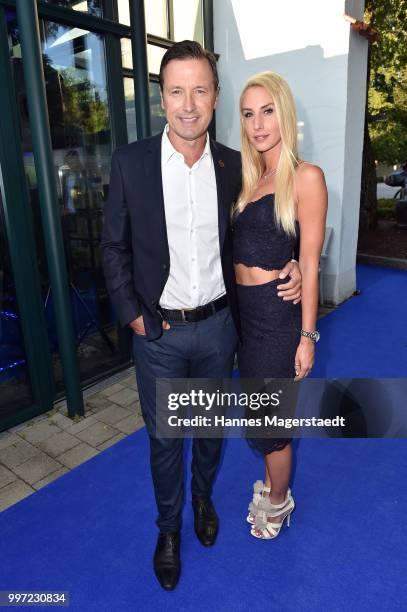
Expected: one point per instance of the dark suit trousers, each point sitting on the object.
(188, 350)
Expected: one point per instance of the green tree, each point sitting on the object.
(385, 137)
(83, 107)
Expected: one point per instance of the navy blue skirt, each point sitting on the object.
(270, 336)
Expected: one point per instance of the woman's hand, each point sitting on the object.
(304, 358)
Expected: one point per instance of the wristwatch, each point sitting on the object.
(314, 336)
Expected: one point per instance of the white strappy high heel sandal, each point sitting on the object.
(264, 529)
(259, 491)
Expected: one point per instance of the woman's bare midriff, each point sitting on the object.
(254, 276)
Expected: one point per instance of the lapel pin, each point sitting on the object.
(221, 163)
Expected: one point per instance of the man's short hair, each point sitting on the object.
(188, 49)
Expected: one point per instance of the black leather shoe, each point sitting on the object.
(167, 562)
(206, 520)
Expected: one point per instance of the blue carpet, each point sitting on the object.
(92, 533)
(366, 337)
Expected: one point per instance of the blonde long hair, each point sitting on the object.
(252, 162)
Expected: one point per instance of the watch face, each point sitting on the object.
(315, 335)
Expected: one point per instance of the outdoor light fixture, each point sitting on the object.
(362, 28)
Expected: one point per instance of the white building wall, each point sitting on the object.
(312, 46)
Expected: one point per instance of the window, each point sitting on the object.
(92, 7)
(170, 19)
(76, 88)
(188, 20)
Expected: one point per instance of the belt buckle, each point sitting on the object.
(183, 316)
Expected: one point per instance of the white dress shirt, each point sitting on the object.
(191, 213)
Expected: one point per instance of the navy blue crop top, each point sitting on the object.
(258, 241)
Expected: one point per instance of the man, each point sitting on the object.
(167, 249)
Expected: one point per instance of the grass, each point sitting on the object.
(385, 208)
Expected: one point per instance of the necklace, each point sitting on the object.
(271, 173)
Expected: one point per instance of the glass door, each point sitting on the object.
(26, 382)
(76, 88)
(15, 386)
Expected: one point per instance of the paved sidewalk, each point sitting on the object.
(40, 450)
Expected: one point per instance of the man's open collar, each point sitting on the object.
(168, 150)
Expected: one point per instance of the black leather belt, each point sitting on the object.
(195, 314)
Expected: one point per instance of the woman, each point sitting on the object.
(282, 198)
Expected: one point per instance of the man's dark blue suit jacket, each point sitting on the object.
(134, 240)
